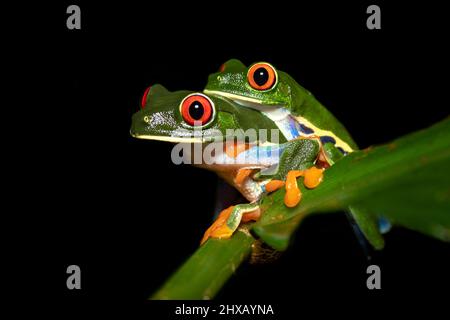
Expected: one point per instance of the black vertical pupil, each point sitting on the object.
(261, 76)
(196, 110)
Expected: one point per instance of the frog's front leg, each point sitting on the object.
(312, 178)
(297, 160)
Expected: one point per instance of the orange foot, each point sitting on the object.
(313, 177)
(219, 228)
(225, 224)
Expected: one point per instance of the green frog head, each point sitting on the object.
(259, 85)
(192, 117)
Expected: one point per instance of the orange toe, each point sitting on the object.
(313, 177)
(274, 185)
(292, 197)
(293, 194)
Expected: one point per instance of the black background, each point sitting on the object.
(119, 208)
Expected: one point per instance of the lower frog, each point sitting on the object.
(245, 155)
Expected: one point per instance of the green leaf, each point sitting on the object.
(206, 271)
(406, 181)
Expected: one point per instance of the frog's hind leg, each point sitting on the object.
(229, 220)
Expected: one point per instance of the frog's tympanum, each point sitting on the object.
(264, 100)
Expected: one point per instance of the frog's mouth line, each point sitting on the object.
(189, 139)
(244, 101)
(169, 139)
(207, 139)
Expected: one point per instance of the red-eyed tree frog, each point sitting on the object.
(258, 98)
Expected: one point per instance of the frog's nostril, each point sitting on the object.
(144, 97)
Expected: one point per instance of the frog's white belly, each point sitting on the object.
(256, 156)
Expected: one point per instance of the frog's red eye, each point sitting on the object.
(262, 76)
(144, 97)
(197, 109)
(222, 67)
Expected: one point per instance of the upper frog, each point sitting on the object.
(275, 93)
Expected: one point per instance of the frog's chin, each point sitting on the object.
(244, 101)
